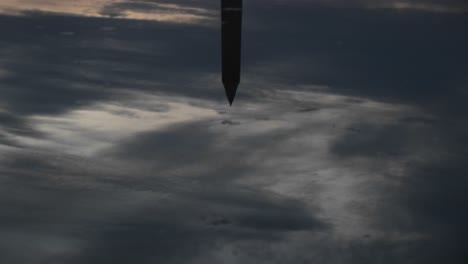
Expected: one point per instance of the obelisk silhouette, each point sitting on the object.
(231, 18)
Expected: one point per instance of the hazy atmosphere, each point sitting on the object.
(347, 142)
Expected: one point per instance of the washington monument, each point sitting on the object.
(231, 17)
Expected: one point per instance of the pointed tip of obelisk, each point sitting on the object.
(231, 90)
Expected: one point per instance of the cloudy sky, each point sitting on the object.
(347, 142)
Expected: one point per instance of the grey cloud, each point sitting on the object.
(189, 7)
(427, 201)
(383, 55)
(66, 72)
(380, 54)
(414, 58)
(369, 140)
(14, 124)
(438, 6)
(83, 201)
(179, 144)
(107, 217)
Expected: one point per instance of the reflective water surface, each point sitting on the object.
(347, 142)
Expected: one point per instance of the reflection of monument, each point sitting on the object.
(231, 16)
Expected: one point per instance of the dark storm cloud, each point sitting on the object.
(438, 6)
(431, 202)
(73, 218)
(192, 139)
(450, 6)
(15, 124)
(428, 201)
(69, 71)
(128, 213)
(414, 58)
(369, 140)
(403, 57)
(381, 54)
(137, 207)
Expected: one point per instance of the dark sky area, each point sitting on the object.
(347, 142)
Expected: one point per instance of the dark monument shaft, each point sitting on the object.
(231, 17)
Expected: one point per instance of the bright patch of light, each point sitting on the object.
(170, 13)
(86, 131)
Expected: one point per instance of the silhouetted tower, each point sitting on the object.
(231, 17)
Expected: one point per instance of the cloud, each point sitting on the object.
(432, 6)
(83, 130)
(164, 12)
(437, 6)
(138, 205)
(346, 144)
(137, 10)
(423, 198)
